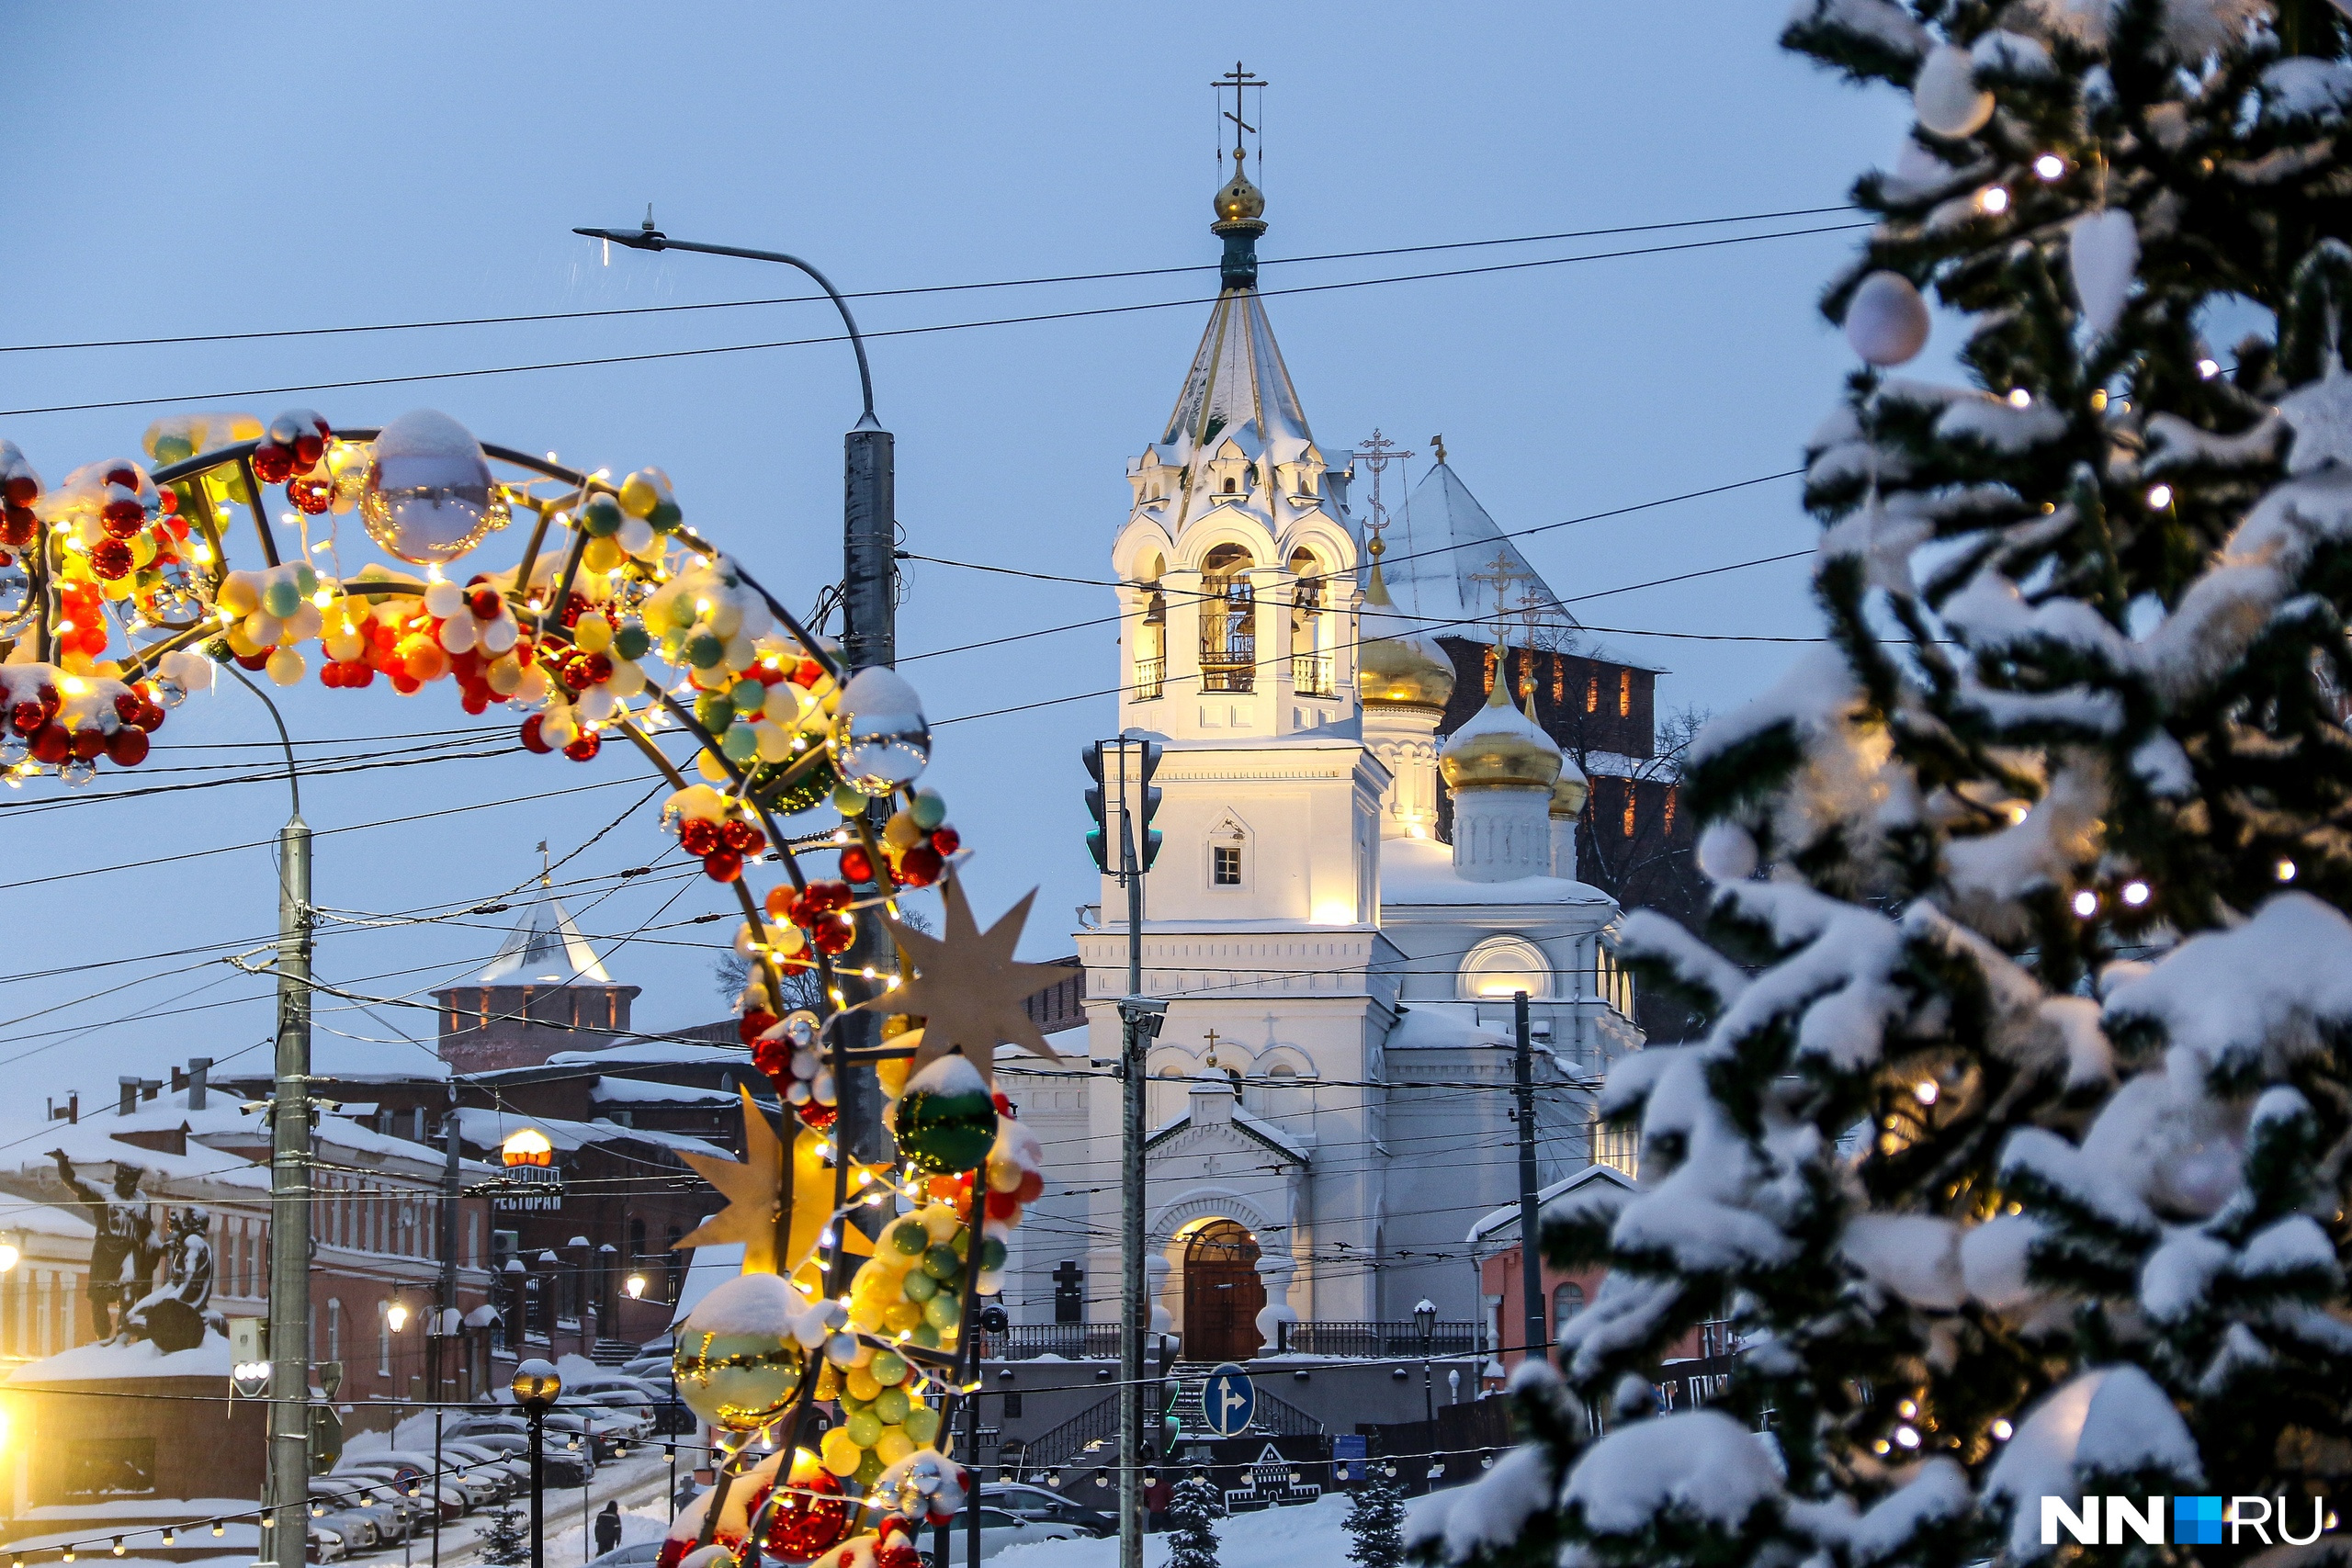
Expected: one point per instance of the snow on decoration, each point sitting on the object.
(119, 596)
(1886, 321)
(2102, 254)
(2005, 1160)
(1945, 96)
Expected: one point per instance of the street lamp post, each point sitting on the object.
(288, 1471)
(869, 637)
(535, 1385)
(1425, 1320)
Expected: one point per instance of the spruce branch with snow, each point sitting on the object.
(2015, 1146)
(1193, 1513)
(1375, 1521)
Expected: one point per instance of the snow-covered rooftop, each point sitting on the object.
(1506, 1216)
(486, 1128)
(638, 1091)
(1237, 388)
(1440, 560)
(103, 1362)
(1420, 871)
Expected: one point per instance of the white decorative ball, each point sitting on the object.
(1945, 96)
(428, 497)
(1886, 320)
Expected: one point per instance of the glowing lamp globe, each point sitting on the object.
(535, 1385)
(529, 1146)
(427, 496)
(737, 1361)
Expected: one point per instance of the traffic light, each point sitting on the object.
(1106, 764)
(1098, 842)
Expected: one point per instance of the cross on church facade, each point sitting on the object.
(1069, 1292)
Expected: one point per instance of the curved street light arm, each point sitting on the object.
(293, 778)
(652, 239)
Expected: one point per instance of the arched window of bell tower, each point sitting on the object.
(1311, 628)
(1150, 648)
(1228, 622)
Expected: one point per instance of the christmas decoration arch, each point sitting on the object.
(616, 620)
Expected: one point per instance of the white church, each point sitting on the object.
(1330, 1105)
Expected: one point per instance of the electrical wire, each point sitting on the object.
(895, 293)
(873, 335)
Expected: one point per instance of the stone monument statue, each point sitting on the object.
(176, 1313)
(122, 1255)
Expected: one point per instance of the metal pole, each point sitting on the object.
(972, 1508)
(1530, 1270)
(290, 1207)
(1134, 1312)
(432, 1488)
(539, 1489)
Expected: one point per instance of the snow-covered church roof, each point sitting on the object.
(545, 949)
(1238, 387)
(1442, 560)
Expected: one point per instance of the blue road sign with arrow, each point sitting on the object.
(1227, 1401)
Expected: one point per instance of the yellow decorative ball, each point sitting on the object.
(737, 1363)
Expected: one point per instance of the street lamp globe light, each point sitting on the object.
(1425, 1319)
(396, 1317)
(635, 1286)
(535, 1385)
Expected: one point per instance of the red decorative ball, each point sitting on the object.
(834, 933)
(699, 835)
(111, 559)
(742, 836)
(533, 739)
(122, 517)
(254, 661)
(751, 1026)
(823, 898)
(945, 841)
(308, 449)
(126, 477)
(487, 604)
(273, 463)
(771, 1053)
(816, 1115)
(21, 489)
(89, 743)
(19, 526)
(673, 1551)
(856, 864)
(52, 744)
(128, 747)
(313, 496)
(898, 1555)
(583, 746)
(921, 866)
(804, 1525)
(723, 866)
(26, 719)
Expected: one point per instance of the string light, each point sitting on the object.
(2207, 369)
(2020, 398)
(2284, 870)
(1925, 1091)
(2159, 497)
(1908, 1437)
(2001, 1431)
(2135, 894)
(1993, 200)
(2049, 166)
(2086, 903)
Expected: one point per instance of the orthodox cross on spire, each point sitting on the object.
(1377, 453)
(1500, 573)
(1240, 81)
(547, 867)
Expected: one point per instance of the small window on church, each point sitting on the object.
(1228, 872)
(1624, 693)
(1592, 694)
(1230, 485)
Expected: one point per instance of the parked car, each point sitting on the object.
(647, 1367)
(644, 1555)
(325, 1546)
(481, 1486)
(998, 1530)
(349, 1495)
(564, 1467)
(404, 1481)
(357, 1531)
(491, 1463)
(1047, 1506)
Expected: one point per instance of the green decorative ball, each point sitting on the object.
(714, 712)
(602, 518)
(941, 1132)
(632, 641)
(911, 1237)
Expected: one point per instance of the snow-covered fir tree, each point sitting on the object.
(503, 1538)
(1193, 1513)
(1376, 1518)
(2015, 1144)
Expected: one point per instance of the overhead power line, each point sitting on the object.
(654, 356)
(897, 293)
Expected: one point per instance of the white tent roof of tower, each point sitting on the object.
(1440, 543)
(1238, 387)
(545, 948)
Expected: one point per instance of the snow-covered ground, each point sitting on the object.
(1306, 1537)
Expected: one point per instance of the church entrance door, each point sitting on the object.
(1223, 1294)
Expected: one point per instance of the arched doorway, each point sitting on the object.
(1223, 1294)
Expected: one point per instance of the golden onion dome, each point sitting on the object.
(1568, 791)
(1396, 665)
(1240, 201)
(1500, 748)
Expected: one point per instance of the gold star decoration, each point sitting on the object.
(968, 987)
(753, 1188)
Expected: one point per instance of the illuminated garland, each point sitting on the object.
(117, 599)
